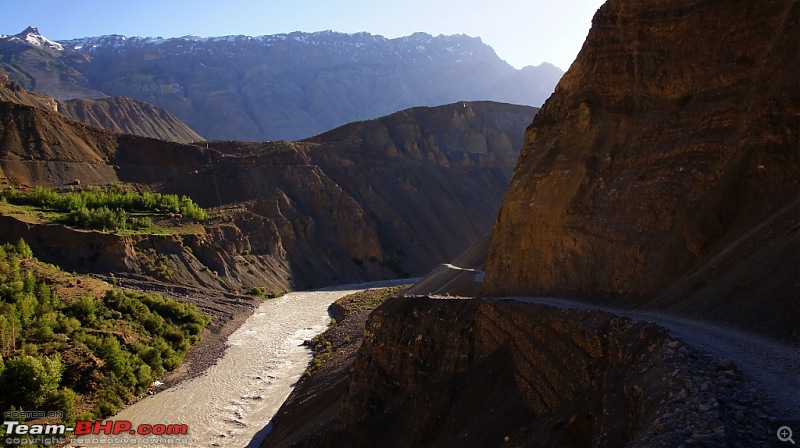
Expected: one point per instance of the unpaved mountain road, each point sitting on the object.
(774, 366)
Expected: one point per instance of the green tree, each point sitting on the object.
(23, 249)
(64, 400)
(29, 380)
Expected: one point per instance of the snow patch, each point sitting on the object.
(32, 37)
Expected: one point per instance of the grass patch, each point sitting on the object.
(366, 300)
(265, 293)
(323, 351)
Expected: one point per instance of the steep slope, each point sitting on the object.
(660, 156)
(129, 116)
(125, 115)
(335, 209)
(285, 86)
(39, 147)
(454, 158)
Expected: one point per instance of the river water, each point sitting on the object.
(232, 402)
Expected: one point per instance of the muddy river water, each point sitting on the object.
(231, 403)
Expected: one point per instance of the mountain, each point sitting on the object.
(118, 114)
(662, 173)
(285, 86)
(667, 175)
(129, 116)
(376, 199)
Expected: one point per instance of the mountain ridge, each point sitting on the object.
(289, 214)
(119, 114)
(277, 87)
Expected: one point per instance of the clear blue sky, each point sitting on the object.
(523, 32)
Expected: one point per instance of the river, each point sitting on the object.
(231, 402)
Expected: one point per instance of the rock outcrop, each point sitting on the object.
(671, 140)
(286, 86)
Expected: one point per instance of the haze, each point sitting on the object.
(521, 32)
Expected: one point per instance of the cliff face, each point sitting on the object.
(494, 370)
(372, 200)
(674, 134)
(486, 373)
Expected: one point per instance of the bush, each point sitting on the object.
(64, 400)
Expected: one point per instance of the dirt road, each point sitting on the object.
(775, 366)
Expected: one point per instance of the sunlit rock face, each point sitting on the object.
(672, 136)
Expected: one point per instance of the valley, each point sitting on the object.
(616, 268)
(286, 215)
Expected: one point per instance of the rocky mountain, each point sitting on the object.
(120, 114)
(285, 86)
(662, 173)
(665, 165)
(129, 116)
(377, 199)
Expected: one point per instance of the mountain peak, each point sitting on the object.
(31, 30)
(32, 36)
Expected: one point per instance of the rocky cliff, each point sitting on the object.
(285, 86)
(669, 147)
(484, 373)
(371, 200)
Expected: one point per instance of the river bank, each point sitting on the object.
(233, 398)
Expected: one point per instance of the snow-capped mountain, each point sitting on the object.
(283, 86)
(32, 36)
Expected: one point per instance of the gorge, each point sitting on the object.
(662, 174)
(617, 268)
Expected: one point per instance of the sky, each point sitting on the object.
(522, 32)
